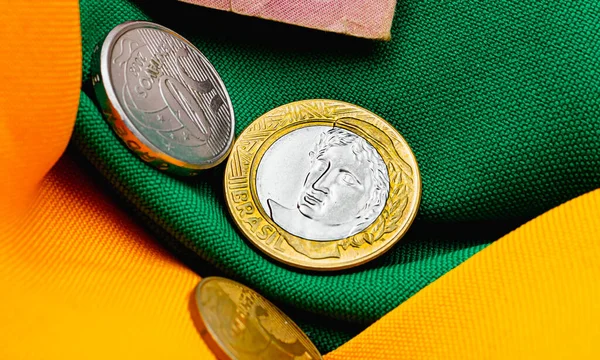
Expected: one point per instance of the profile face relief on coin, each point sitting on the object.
(322, 184)
(163, 98)
(238, 323)
(343, 190)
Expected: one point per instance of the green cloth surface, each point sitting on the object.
(499, 100)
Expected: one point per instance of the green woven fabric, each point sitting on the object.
(500, 101)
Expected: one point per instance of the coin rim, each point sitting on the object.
(324, 267)
(114, 105)
(211, 332)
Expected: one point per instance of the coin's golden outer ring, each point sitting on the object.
(398, 213)
(238, 323)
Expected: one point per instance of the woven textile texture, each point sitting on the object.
(46, 79)
(500, 102)
(81, 280)
(78, 272)
(533, 294)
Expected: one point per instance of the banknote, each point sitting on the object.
(363, 18)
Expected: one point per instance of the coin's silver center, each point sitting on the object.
(322, 183)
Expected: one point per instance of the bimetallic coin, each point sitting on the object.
(238, 323)
(322, 184)
(163, 98)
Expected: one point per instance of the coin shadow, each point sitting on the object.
(427, 240)
(313, 325)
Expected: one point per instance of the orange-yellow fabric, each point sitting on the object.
(40, 62)
(80, 279)
(534, 293)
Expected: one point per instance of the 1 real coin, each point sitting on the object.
(322, 184)
(238, 323)
(163, 98)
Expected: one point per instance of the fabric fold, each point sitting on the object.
(502, 128)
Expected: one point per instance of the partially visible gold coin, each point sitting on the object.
(238, 323)
(322, 184)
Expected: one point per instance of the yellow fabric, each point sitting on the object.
(79, 279)
(82, 280)
(534, 293)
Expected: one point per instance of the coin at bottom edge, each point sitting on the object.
(238, 323)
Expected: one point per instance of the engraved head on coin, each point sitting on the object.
(163, 98)
(244, 325)
(344, 189)
(322, 184)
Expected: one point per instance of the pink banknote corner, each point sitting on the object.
(370, 19)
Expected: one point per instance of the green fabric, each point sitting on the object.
(500, 101)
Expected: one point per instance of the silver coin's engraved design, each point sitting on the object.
(338, 184)
(168, 95)
(149, 92)
(204, 87)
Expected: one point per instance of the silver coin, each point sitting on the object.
(163, 98)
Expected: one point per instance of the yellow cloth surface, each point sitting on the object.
(533, 294)
(80, 279)
(40, 58)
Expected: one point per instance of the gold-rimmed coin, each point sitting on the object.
(322, 184)
(238, 323)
